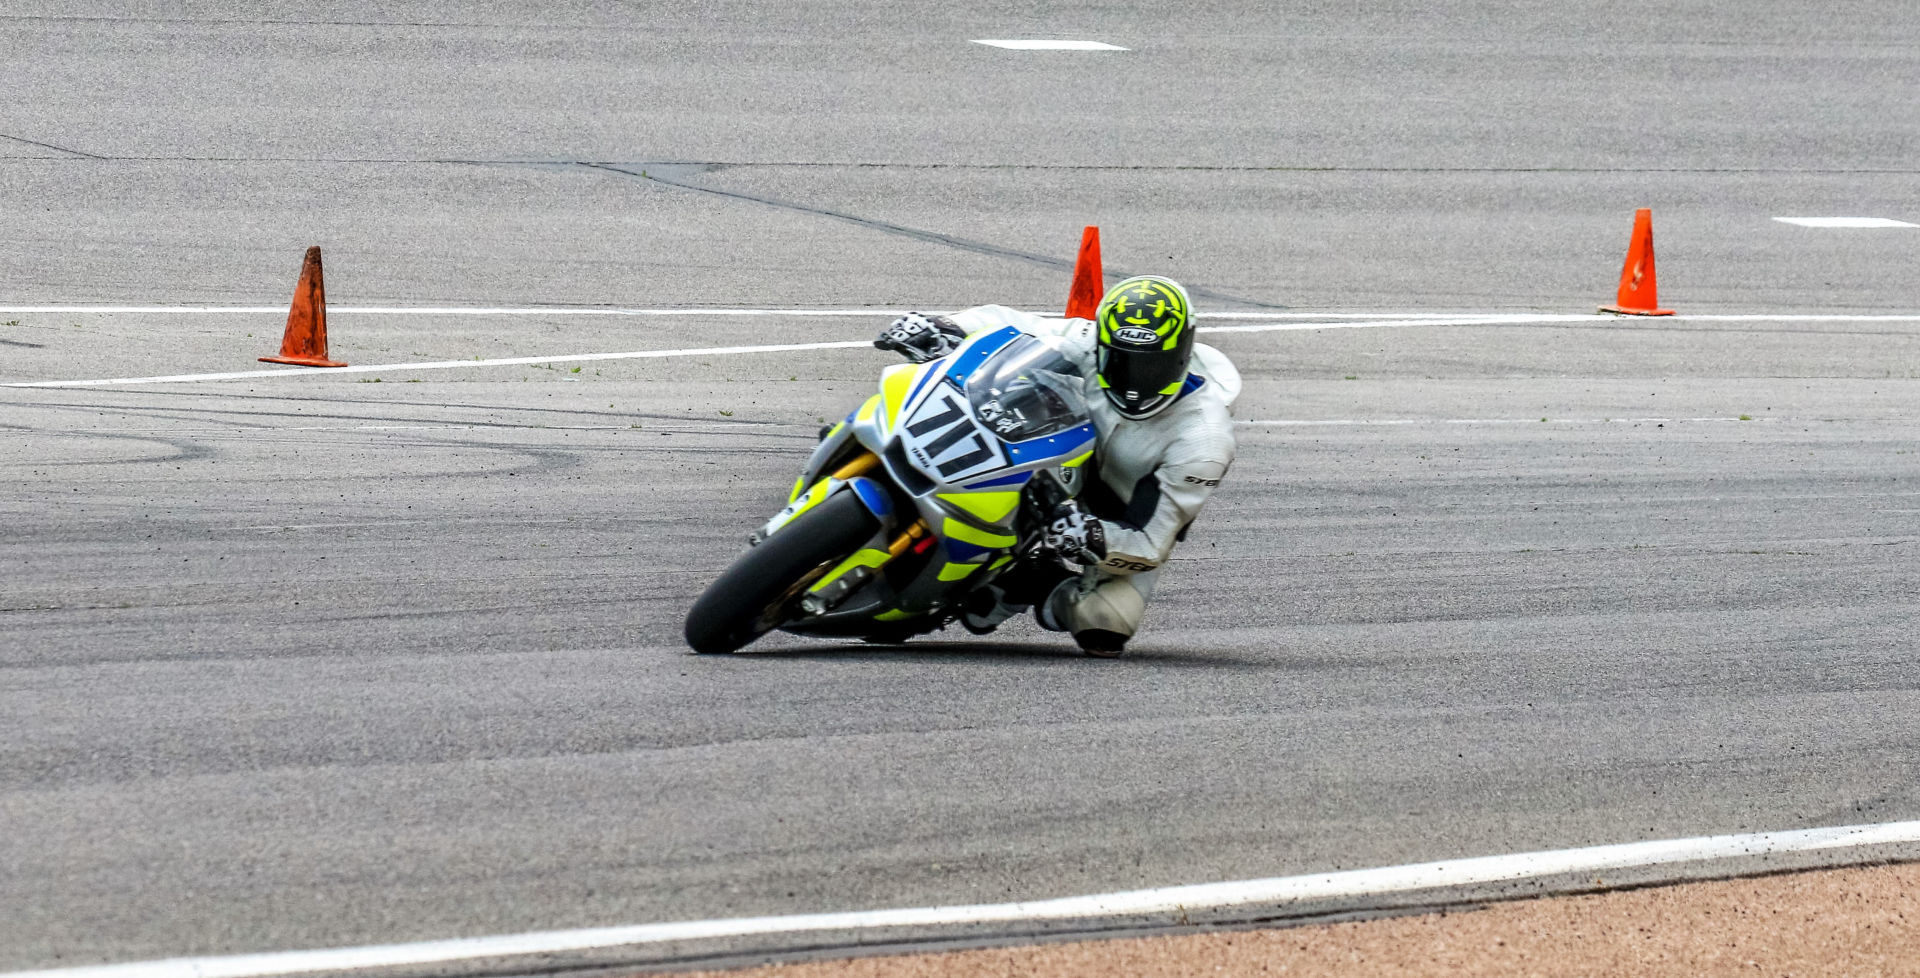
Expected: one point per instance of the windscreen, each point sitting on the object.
(1028, 390)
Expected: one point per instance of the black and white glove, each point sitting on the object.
(920, 336)
(1075, 535)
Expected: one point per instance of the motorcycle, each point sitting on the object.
(930, 489)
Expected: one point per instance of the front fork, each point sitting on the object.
(835, 443)
(852, 473)
(849, 575)
(854, 572)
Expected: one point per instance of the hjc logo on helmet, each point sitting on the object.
(1135, 334)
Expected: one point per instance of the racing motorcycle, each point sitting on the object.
(928, 490)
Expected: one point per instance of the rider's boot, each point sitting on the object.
(986, 608)
(1010, 594)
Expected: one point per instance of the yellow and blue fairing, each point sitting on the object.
(952, 459)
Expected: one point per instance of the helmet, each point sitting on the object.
(1146, 340)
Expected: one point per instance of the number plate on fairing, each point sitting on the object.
(944, 437)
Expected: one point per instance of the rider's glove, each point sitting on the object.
(1075, 535)
(920, 336)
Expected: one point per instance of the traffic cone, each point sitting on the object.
(305, 343)
(1637, 286)
(1089, 285)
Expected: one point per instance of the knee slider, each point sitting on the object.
(1112, 606)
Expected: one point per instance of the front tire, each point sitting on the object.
(757, 593)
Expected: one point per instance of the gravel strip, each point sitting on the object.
(1855, 922)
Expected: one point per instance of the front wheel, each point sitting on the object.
(760, 590)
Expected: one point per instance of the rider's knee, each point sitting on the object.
(1113, 605)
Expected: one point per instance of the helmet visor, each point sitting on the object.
(1139, 376)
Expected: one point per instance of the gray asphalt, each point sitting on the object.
(316, 661)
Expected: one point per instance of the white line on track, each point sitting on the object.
(1384, 422)
(1276, 891)
(662, 312)
(452, 364)
(1846, 222)
(656, 427)
(1495, 319)
(1489, 320)
(1044, 44)
(1531, 319)
(1385, 318)
(459, 310)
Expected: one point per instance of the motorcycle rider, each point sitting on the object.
(1161, 407)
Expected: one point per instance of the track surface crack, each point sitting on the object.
(57, 149)
(930, 237)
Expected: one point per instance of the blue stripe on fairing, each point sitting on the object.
(978, 351)
(1016, 479)
(925, 379)
(961, 553)
(873, 496)
(1036, 449)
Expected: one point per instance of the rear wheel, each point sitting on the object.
(764, 585)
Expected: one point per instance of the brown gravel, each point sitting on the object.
(1859, 923)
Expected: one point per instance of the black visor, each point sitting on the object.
(1138, 376)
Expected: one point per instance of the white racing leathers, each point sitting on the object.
(1151, 476)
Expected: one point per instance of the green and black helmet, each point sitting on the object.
(1146, 340)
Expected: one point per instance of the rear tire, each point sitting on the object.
(757, 593)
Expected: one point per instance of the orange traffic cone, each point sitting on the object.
(1088, 283)
(305, 343)
(1637, 286)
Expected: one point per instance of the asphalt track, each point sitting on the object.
(315, 661)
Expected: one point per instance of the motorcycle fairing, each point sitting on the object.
(950, 473)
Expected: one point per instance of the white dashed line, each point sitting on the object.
(1278, 891)
(1846, 222)
(1041, 44)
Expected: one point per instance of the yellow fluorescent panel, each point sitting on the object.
(990, 506)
